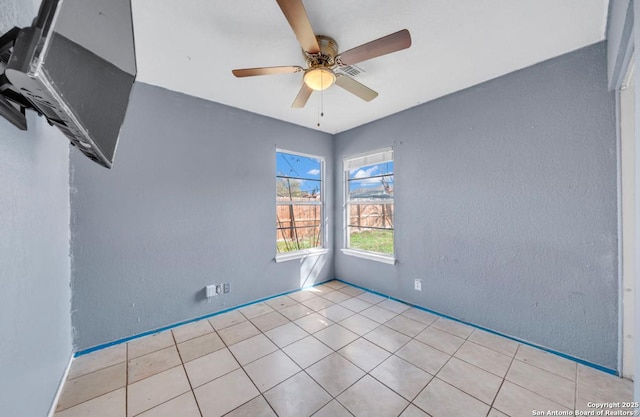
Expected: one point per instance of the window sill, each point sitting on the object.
(301, 254)
(386, 259)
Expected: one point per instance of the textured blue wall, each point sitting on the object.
(36, 344)
(190, 201)
(506, 206)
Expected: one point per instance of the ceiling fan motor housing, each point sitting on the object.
(327, 55)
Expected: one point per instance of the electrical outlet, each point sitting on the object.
(417, 285)
(219, 289)
(210, 290)
(226, 287)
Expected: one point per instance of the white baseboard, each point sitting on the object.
(52, 410)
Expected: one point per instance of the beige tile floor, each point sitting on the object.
(329, 351)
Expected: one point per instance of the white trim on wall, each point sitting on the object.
(56, 398)
(627, 220)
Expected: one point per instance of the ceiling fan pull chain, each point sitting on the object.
(321, 103)
(321, 98)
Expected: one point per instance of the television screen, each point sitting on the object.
(76, 65)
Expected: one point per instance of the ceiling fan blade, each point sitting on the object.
(356, 88)
(299, 21)
(302, 97)
(250, 72)
(382, 46)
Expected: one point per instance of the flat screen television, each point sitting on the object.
(76, 66)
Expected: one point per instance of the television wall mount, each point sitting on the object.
(74, 65)
(12, 103)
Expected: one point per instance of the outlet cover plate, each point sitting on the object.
(210, 290)
(417, 285)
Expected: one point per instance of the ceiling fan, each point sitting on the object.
(322, 57)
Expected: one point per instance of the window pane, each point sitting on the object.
(298, 202)
(373, 240)
(370, 207)
(371, 216)
(298, 178)
(298, 227)
(371, 188)
(371, 181)
(292, 189)
(371, 170)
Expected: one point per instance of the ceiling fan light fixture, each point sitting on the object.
(319, 78)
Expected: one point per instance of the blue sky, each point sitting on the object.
(361, 178)
(298, 166)
(291, 165)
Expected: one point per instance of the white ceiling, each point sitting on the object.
(191, 46)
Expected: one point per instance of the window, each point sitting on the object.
(299, 202)
(369, 205)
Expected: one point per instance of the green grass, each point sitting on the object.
(380, 241)
(292, 245)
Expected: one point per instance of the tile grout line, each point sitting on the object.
(260, 393)
(494, 351)
(513, 358)
(451, 356)
(505, 378)
(368, 373)
(173, 398)
(97, 396)
(515, 339)
(304, 370)
(126, 379)
(184, 368)
(467, 339)
(393, 354)
(575, 393)
(337, 352)
(187, 374)
(538, 393)
(332, 352)
(91, 399)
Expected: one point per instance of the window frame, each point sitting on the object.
(322, 249)
(350, 163)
